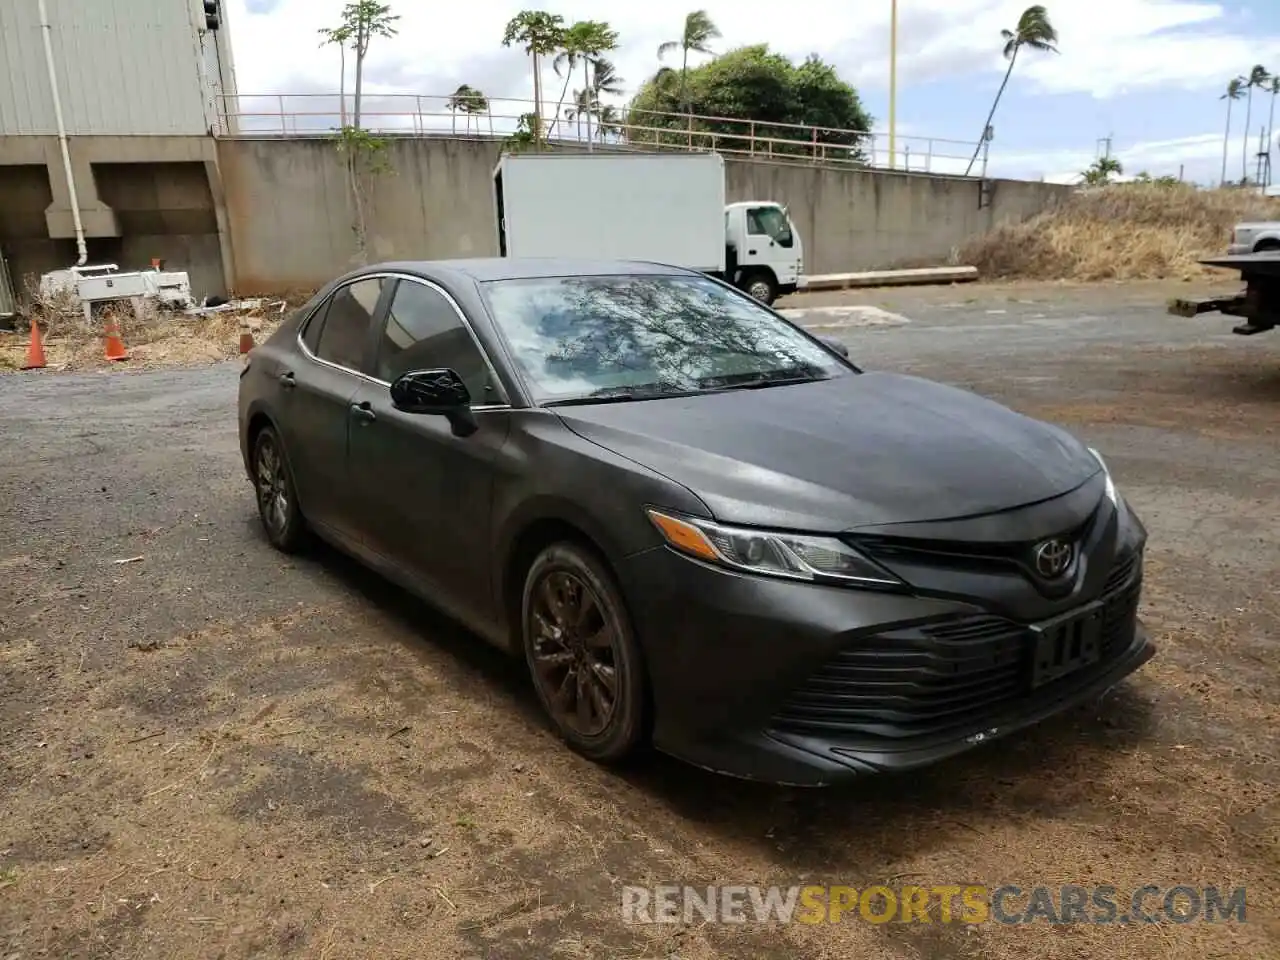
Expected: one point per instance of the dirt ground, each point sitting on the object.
(208, 750)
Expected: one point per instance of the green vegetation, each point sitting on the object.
(1241, 88)
(1035, 32)
(751, 86)
(364, 154)
(744, 89)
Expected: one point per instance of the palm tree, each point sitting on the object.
(608, 121)
(1258, 77)
(541, 35)
(1034, 31)
(699, 31)
(584, 41)
(580, 109)
(1235, 90)
(1099, 173)
(604, 79)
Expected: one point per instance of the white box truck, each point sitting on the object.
(662, 207)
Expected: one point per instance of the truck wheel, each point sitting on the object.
(761, 286)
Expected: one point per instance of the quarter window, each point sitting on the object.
(424, 332)
(345, 334)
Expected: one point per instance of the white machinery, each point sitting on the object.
(102, 283)
(663, 207)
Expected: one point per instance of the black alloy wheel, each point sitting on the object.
(582, 655)
(277, 500)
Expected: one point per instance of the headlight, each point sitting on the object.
(792, 555)
(1110, 489)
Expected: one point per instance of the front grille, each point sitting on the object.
(994, 556)
(920, 680)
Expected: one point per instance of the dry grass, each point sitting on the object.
(156, 338)
(1131, 231)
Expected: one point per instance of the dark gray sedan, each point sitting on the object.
(699, 525)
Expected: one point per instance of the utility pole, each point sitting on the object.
(893, 83)
(1263, 174)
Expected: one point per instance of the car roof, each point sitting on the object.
(481, 269)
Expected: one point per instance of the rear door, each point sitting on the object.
(337, 355)
(433, 490)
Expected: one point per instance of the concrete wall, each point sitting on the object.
(289, 210)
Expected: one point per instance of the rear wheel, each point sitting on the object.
(582, 655)
(277, 499)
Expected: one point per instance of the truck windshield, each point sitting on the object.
(581, 339)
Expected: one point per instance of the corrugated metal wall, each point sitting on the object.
(125, 67)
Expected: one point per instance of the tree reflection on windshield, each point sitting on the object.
(647, 335)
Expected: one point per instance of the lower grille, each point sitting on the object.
(921, 680)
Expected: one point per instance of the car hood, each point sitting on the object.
(870, 448)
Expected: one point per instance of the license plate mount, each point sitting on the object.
(1066, 644)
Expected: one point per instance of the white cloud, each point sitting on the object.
(1109, 48)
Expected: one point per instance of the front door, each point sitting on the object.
(430, 490)
(772, 243)
(316, 397)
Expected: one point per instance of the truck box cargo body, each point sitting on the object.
(669, 208)
(661, 207)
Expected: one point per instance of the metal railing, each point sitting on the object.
(611, 128)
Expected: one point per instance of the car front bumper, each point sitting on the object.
(1236, 249)
(795, 683)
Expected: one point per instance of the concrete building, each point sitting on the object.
(106, 153)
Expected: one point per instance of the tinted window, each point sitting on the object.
(311, 334)
(346, 324)
(423, 332)
(769, 221)
(575, 336)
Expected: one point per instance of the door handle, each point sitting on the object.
(287, 380)
(362, 411)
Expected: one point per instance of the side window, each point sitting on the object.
(346, 324)
(424, 332)
(755, 225)
(315, 323)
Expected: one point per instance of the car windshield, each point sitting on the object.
(582, 339)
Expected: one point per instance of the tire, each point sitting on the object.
(560, 655)
(275, 493)
(761, 286)
(1266, 246)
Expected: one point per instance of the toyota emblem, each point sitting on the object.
(1053, 558)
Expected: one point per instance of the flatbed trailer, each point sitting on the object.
(1258, 304)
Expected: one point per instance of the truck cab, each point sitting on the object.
(764, 254)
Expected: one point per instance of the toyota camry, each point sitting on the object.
(700, 526)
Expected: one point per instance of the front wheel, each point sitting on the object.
(277, 499)
(761, 286)
(583, 657)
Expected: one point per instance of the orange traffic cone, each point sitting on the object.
(115, 346)
(35, 349)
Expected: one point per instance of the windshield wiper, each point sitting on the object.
(620, 395)
(764, 380)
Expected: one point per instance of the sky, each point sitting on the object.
(1149, 74)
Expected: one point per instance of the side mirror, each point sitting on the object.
(836, 345)
(439, 392)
